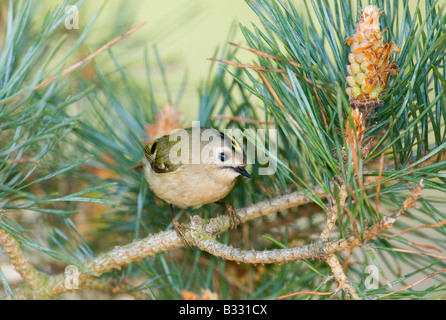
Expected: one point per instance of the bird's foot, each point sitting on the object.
(180, 230)
(234, 218)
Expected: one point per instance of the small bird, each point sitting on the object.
(192, 167)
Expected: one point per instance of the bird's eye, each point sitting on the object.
(223, 157)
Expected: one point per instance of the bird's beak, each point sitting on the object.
(242, 171)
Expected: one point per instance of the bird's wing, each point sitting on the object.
(157, 154)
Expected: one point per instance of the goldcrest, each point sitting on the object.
(192, 167)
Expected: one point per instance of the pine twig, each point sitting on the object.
(332, 214)
(340, 277)
(333, 261)
(21, 264)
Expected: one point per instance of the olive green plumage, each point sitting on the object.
(157, 153)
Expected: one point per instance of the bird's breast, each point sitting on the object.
(190, 186)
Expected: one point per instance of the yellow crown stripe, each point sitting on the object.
(235, 144)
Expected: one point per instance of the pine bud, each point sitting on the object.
(369, 60)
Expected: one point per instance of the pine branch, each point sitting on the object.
(339, 274)
(201, 234)
(18, 259)
(197, 233)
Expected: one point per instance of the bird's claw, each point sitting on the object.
(234, 218)
(179, 228)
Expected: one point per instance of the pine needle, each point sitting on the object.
(313, 293)
(433, 274)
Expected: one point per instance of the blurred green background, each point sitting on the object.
(186, 33)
